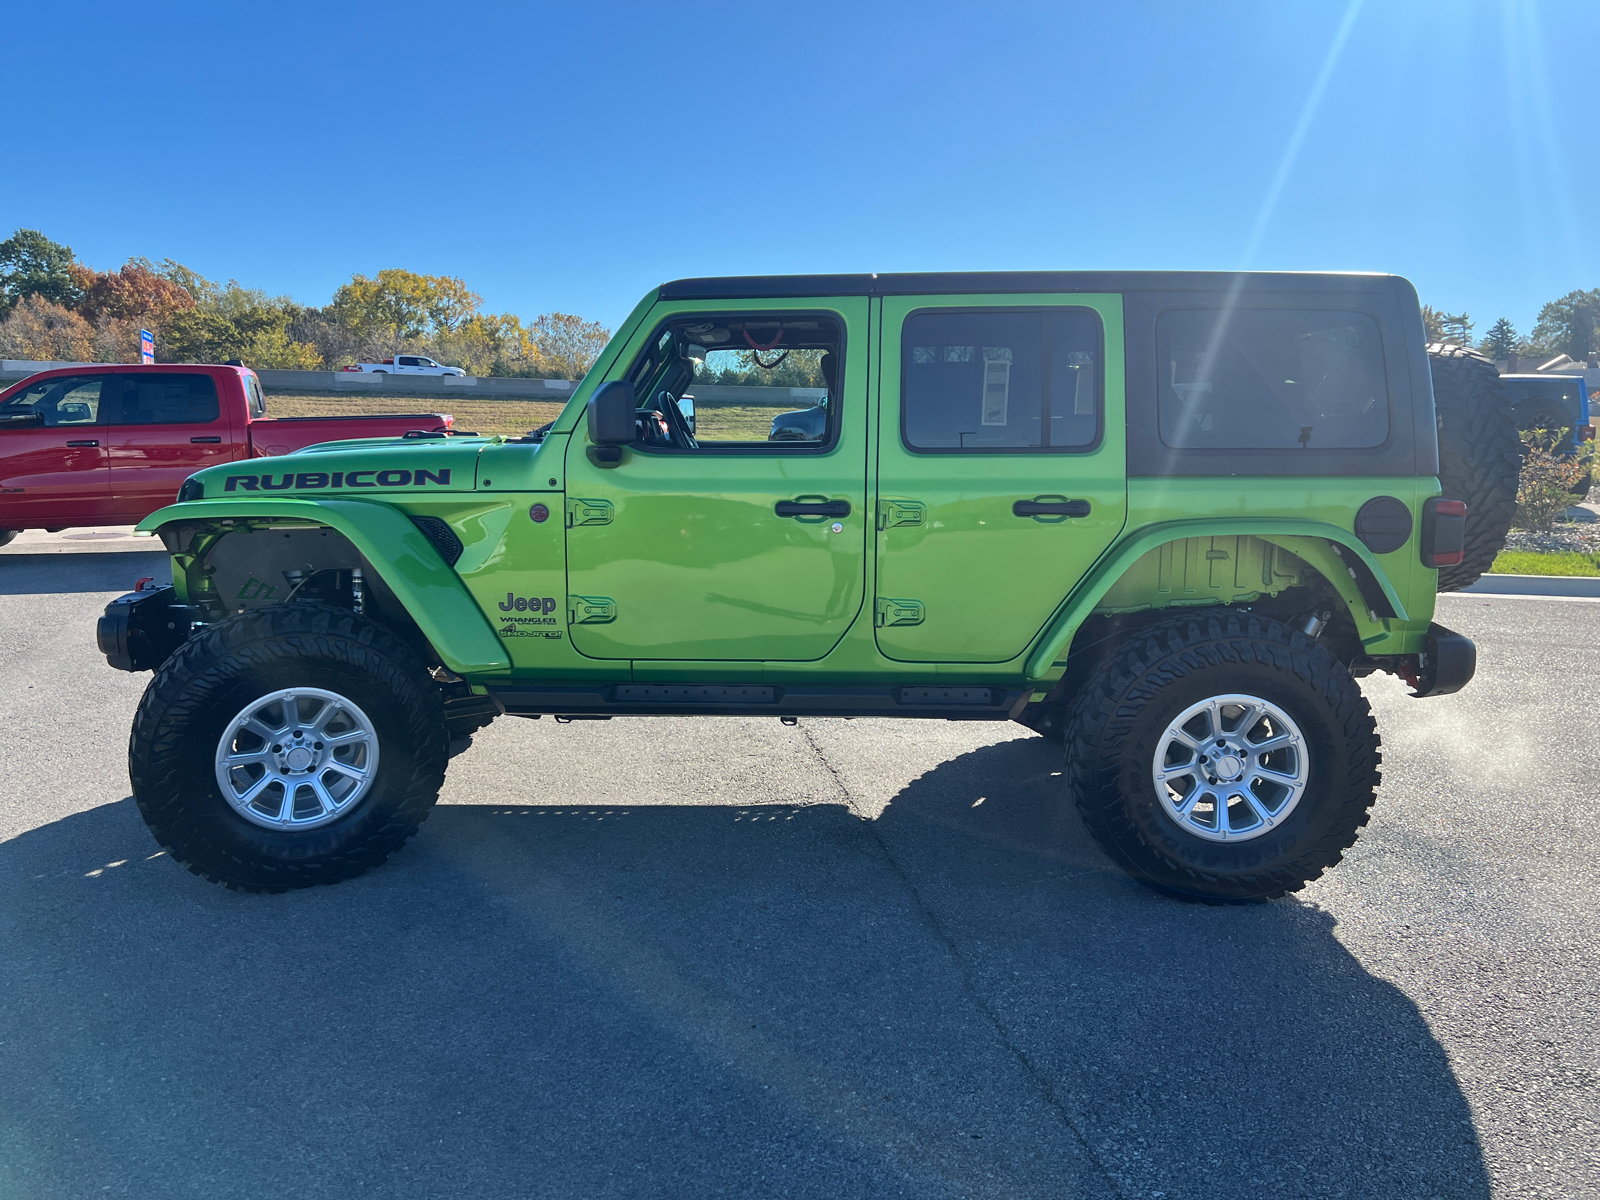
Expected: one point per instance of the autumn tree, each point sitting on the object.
(398, 306)
(42, 331)
(566, 345)
(230, 321)
(133, 293)
(32, 265)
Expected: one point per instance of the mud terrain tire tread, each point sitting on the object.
(1121, 704)
(1480, 454)
(170, 760)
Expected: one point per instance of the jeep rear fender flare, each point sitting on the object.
(1312, 541)
(431, 592)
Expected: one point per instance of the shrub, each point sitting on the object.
(1545, 490)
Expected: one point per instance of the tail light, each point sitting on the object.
(1444, 532)
(1586, 433)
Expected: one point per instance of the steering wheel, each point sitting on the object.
(678, 424)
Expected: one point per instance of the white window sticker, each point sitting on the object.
(1082, 365)
(996, 391)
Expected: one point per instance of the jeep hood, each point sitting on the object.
(365, 466)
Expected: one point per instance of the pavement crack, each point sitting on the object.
(1041, 1082)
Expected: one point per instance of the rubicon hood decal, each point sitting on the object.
(321, 481)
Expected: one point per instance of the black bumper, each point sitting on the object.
(1448, 662)
(140, 631)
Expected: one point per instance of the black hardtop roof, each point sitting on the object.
(740, 287)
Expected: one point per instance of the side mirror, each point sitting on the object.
(612, 411)
(686, 407)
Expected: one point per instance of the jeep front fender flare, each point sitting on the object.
(431, 592)
(1306, 539)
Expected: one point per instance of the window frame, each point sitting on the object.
(990, 309)
(1383, 362)
(651, 347)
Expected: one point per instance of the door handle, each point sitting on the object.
(1051, 508)
(807, 507)
(89, 443)
(205, 439)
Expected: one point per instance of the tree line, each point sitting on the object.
(1568, 325)
(53, 307)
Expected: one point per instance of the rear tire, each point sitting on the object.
(194, 701)
(1480, 455)
(1120, 731)
(7, 536)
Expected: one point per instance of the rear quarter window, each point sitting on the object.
(1271, 379)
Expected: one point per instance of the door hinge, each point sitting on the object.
(900, 512)
(899, 612)
(591, 610)
(588, 512)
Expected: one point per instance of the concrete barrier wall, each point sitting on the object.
(482, 387)
(479, 387)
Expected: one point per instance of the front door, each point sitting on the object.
(1002, 468)
(727, 544)
(53, 455)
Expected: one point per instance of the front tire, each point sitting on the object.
(7, 536)
(1290, 727)
(267, 811)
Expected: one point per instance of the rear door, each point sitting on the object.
(166, 426)
(53, 454)
(1002, 467)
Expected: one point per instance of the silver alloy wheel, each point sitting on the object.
(297, 759)
(1231, 768)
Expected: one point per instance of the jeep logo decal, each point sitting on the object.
(513, 602)
(318, 480)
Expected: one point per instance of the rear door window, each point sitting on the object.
(1271, 379)
(997, 380)
(161, 399)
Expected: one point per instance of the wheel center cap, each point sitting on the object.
(1229, 768)
(299, 758)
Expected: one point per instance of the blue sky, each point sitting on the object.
(572, 156)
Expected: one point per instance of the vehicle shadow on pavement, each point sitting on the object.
(23, 574)
(955, 999)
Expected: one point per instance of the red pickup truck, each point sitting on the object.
(108, 445)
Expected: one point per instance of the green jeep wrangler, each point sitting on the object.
(1165, 519)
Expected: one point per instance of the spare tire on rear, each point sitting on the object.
(1480, 454)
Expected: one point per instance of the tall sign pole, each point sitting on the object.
(147, 346)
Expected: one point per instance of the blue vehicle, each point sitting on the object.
(1551, 402)
(1554, 402)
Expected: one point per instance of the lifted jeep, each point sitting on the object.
(1165, 519)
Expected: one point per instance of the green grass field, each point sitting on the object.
(1530, 562)
(511, 418)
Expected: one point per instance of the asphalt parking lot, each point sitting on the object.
(661, 957)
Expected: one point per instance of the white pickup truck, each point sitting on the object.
(407, 364)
